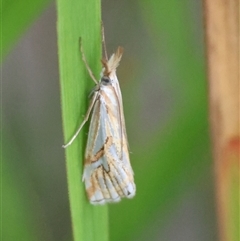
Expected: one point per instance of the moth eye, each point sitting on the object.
(105, 80)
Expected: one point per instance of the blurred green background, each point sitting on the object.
(163, 81)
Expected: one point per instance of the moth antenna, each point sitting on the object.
(103, 41)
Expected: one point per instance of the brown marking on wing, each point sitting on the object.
(109, 142)
(93, 130)
(101, 152)
(92, 189)
(106, 99)
(98, 155)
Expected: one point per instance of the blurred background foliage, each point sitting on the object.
(163, 81)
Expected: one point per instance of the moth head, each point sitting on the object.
(105, 80)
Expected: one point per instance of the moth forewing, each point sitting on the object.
(107, 174)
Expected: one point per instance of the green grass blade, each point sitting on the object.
(16, 16)
(79, 19)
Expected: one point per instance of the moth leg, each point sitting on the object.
(85, 119)
(103, 42)
(86, 64)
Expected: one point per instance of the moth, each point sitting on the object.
(107, 174)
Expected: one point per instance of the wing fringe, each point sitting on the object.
(109, 186)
